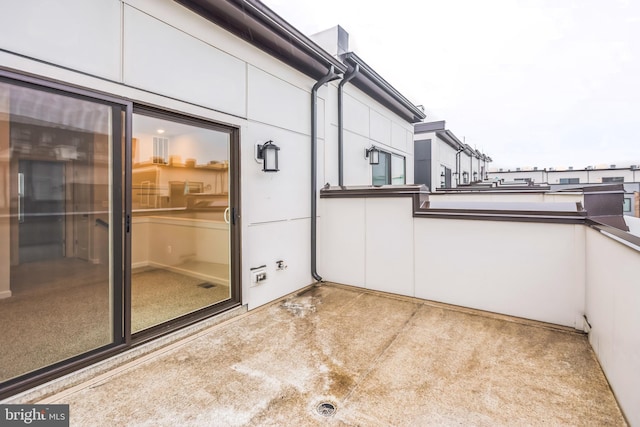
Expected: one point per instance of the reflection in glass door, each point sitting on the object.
(57, 298)
(41, 197)
(180, 235)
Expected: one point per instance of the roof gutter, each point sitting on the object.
(351, 74)
(260, 26)
(378, 88)
(331, 75)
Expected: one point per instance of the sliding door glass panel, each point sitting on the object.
(56, 285)
(180, 227)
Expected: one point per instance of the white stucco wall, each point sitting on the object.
(522, 269)
(612, 301)
(367, 243)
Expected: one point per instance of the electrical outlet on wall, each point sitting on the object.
(258, 275)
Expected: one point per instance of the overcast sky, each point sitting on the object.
(544, 83)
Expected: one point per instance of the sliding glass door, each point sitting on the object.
(116, 226)
(59, 255)
(180, 230)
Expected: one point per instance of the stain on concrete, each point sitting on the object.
(382, 360)
(300, 306)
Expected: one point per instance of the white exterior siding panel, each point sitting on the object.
(612, 299)
(398, 137)
(79, 34)
(504, 282)
(265, 248)
(409, 141)
(389, 245)
(274, 101)
(341, 241)
(380, 128)
(165, 60)
(356, 115)
(357, 170)
(281, 195)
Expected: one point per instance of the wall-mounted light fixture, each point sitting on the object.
(373, 154)
(268, 153)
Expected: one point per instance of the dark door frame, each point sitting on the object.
(120, 109)
(234, 223)
(120, 229)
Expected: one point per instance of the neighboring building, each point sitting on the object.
(133, 200)
(588, 175)
(443, 161)
(562, 178)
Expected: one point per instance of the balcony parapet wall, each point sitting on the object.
(565, 262)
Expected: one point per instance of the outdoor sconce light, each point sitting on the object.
(268, 153)
(373, 154)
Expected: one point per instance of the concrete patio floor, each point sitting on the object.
(379, 359)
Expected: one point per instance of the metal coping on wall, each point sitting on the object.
(420, 196)
(619, 234)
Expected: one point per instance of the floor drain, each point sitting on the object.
(206, 285)
(326, 409)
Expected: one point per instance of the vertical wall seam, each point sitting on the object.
(365, 207)
(122, 23)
